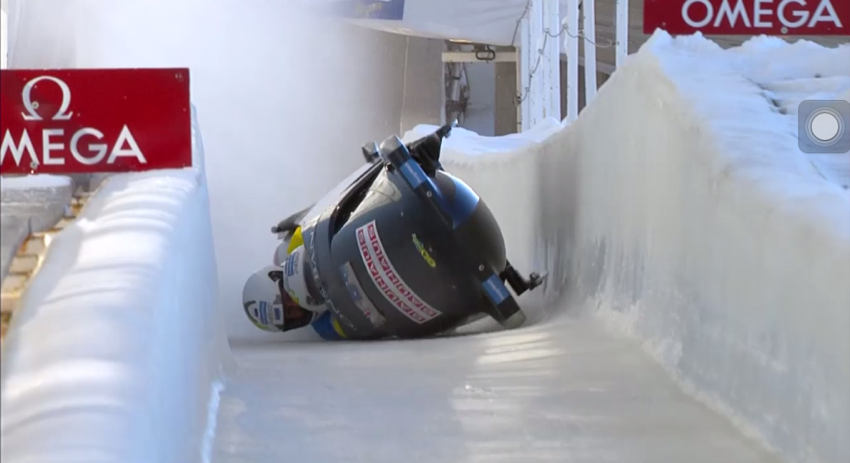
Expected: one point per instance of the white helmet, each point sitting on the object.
(268, 306)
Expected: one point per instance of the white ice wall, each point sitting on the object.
(115, 352)
(680, 208)
(704, 230)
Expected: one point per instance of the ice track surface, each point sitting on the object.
(564, 390)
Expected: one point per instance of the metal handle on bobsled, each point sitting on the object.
(517, 282)
(289, 224)
(426, 150)
(370, 152)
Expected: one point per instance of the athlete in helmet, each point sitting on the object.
(268, 306)
(402, 249)
(271, 307)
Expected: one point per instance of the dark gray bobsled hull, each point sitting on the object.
(408, 250)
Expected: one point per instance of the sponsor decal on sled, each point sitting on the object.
(376, 318)
(423, 252)
(387, 280)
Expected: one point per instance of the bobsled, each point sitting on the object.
(401, 248)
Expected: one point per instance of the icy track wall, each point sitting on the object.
(679, 208)
(114, 354)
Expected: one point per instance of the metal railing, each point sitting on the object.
(539, 59)
(587, 10)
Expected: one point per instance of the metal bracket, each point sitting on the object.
(481, 56)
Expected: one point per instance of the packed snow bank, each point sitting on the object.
(680, 208)
(114, 353)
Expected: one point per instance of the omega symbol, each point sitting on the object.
(61, 115)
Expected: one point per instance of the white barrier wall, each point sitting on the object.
(706, 231)
(679, 207)
(114, 355)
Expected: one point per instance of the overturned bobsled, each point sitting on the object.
(400, 249)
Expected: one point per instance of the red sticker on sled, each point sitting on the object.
(387, 280)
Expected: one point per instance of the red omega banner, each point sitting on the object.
(748, 17)
(94, 120)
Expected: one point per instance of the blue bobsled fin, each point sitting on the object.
(495, 289)
(326, 328)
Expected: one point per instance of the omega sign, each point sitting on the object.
(69, 121)
(748, 17)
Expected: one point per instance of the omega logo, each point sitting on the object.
(790, 14)
(61, 115)
(55, 141)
